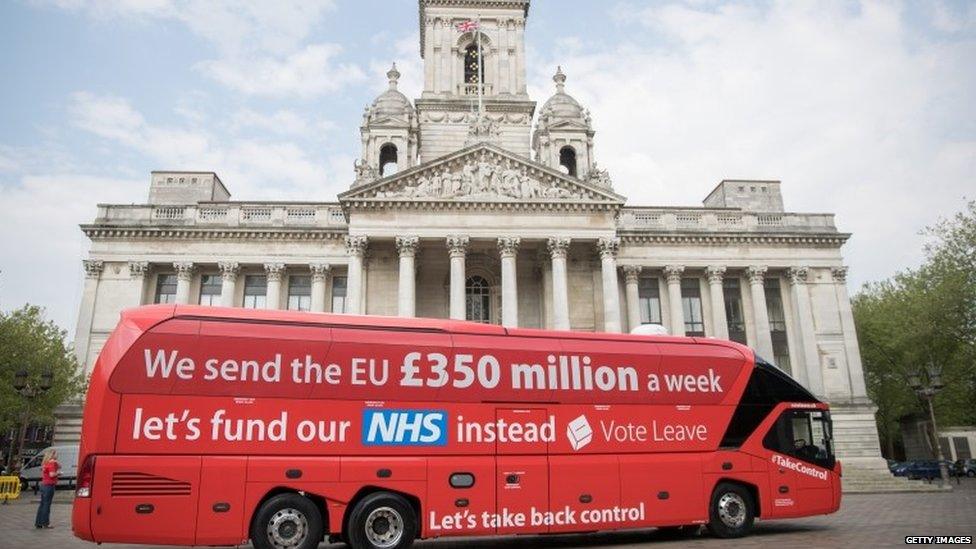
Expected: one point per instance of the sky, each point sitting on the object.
(864, 109)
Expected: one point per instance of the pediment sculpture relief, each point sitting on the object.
(479, 179)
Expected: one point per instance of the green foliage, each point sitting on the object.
(29, 342)
(923, 317)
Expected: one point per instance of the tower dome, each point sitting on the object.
(391, 102)
(562, 105)
(389, 134)
(563, 137)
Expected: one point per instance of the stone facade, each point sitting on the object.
(455, 212)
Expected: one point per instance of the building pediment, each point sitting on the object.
(481, 173)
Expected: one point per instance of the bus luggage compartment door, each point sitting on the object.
(521, 472)
(150, 499)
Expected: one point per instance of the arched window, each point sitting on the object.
(477, 298)
(471, 65)
(388, 159)
(567, 159)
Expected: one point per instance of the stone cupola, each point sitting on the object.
(563, 136)
(389, 133)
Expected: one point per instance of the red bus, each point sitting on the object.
(214, 426)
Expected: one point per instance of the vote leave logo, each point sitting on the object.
(579, 433)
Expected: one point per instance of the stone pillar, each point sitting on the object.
(611, 292)
(137, 272)
(275, 272)
(760, 314)
(720, 324)
(851, 348)
(631, 279)
(184, 275)
(86, 313)
(407, 290)
(229, 270)
(673, 274)
(457, 249)
(508, 249)
(320, 279)
(558, 248)
(810, 375)
(355, 248)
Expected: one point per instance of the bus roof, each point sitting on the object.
(149, 315)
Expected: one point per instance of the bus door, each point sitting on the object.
(801, 463)
(145, 499)
(522, 469)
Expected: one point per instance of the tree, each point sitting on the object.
(922, 317)
(37, 346)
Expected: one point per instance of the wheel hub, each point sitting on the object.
(732, 510)
(287, 528)
(384, 527)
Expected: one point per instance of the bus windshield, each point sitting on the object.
(805, 435)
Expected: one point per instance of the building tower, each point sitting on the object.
(563, 136)
(448, 106)
(389, 134)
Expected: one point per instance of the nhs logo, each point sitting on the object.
(404, 427)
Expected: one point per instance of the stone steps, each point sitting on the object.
(869, 481)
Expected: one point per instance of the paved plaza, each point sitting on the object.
(879, 520)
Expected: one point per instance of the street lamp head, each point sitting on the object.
(915, 380)
(20, 380)
(47, 380)
(935, 377)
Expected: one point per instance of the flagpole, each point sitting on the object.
(481, 74)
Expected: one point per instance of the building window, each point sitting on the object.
(567, 159)
(388, 159)
(777, 324)
(471, 65)
(166, 288)
(477, 299)
(210, 290)
(733, 310)
(299, 293)
(692, 307)
(255, 292)
(338, 294)
(649, 301)
(963, 451)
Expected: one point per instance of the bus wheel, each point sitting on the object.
(382, 521)
(287, 521)
(731, 512)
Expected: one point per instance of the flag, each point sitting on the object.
(467, 26)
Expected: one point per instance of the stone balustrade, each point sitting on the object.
(722, 220)
(234, 214)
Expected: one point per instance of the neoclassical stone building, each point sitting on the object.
(471, 202)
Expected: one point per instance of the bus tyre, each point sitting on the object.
(731, 512)
(382, 521)
(287, 521)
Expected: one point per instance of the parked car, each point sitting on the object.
(900, 468)
(30, 474)
(965, 467)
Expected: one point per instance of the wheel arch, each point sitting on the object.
(750, 487)
(318, 500)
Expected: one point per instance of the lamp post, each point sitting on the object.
(29, 390)
(926, 384)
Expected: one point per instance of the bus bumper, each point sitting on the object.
(81, 519)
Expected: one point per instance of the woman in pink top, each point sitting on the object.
(50, 469)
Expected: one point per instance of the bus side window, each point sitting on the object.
(804, 435)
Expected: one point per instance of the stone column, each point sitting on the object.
(854, 366)
(673, 274)
(184, 275)
(558, 248)
(631, 279)
(720, 324)
(229, 270)
(760, 314)
(810, 375)
(320, 278)
(457, 249)
(407, 289)
(508, 249)
(86, 312)
(137, 272)
(275, 272)
(611, 292)
(355, 248)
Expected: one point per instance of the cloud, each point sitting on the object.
(308, 72)
(260, 45)
(850, 105)
(281, 122)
